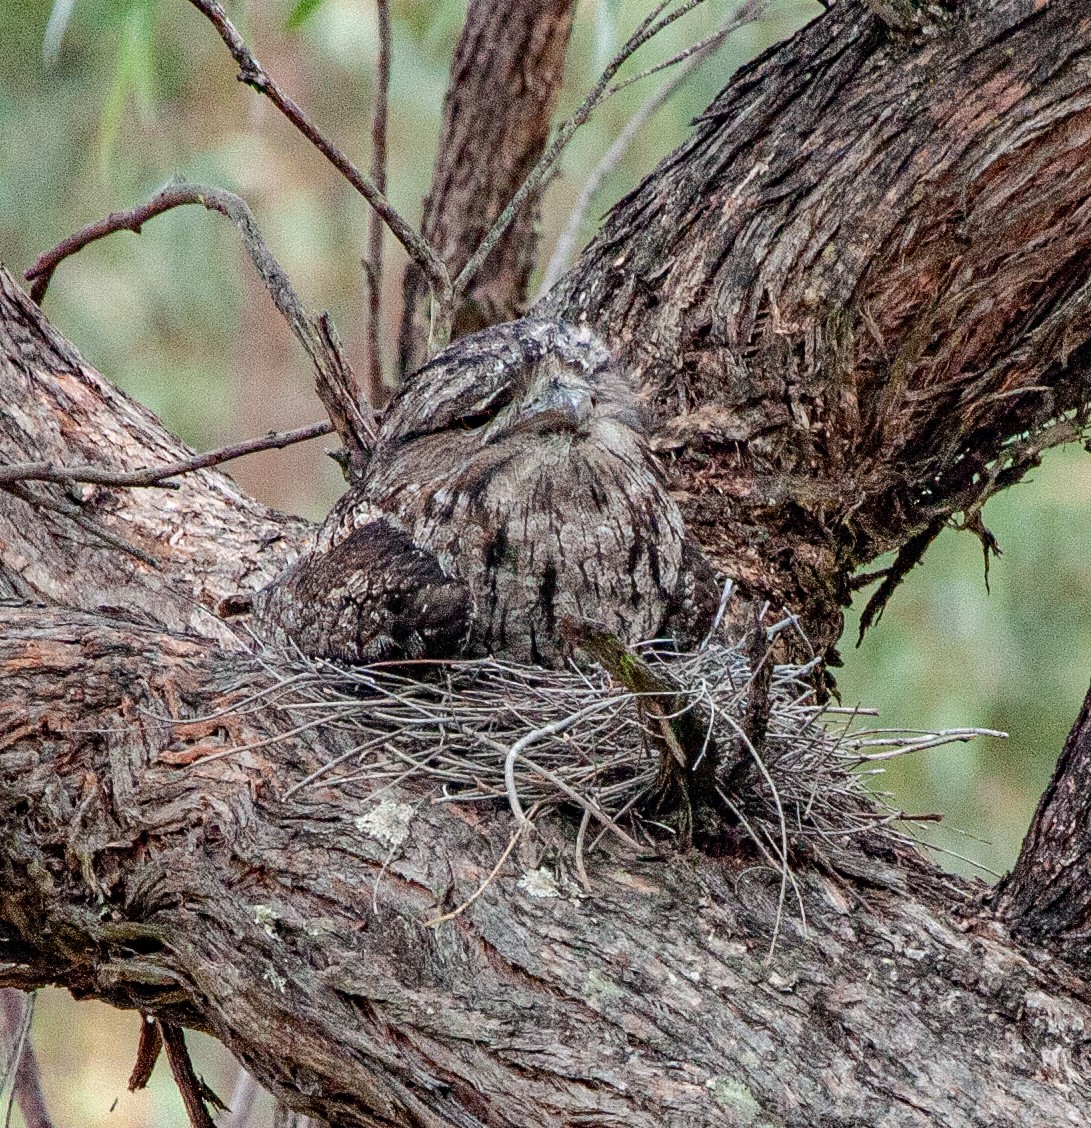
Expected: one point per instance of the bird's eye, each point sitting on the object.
(488, 411)
(478, 419)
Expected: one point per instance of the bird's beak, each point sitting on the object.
(561, 407)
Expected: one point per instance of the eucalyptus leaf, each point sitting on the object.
(301, 13)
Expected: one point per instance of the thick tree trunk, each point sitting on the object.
(851, 297)
(165, 868)
(859, 287)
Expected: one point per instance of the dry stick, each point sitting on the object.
(373, 263)
(417, 247)
(26, 1086)
(750, 12)
(193, 1091)
(697, 54)
(157, 476)
(147, 1053)
(335, 381)
(581, 837)
(651, 26)
(492, 874)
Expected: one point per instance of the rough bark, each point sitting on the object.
(211, 540)
(1048, 893)
(859, 286)
(505, 79)
(846, 296)
(155, 862)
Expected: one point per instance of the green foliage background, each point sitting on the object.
(139, 91)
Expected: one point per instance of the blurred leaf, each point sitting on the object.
(302, 12)
(59, 16)
(605, 31)
(133, 73)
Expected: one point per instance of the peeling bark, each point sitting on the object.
(505, 79)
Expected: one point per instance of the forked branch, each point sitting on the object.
(335, 381)
(649, 27)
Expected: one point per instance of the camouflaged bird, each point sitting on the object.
(511, 486)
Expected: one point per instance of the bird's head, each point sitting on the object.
(531, 378)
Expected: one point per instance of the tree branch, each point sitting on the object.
(159, 476)
(651, 26)
(212, 541)
(335, 382)
(693, 57)
(373, 261)
(1048, 894)
(510, 58)
(877, 315)
(190, 886)
(254, 74)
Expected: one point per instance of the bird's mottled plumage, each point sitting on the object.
(511, 486)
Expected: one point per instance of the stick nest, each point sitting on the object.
(492, 731)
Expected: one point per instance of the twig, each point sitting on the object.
(373, 263)
(456, 723)
(335, 381)
(147, 1053)
(158, 475)
(697, 54)
(651, 26)
(26, 1085)
(488, 880)
(518, 749)
(581, 837)
(751, 11)
(253, 74)
(194, 1092)
(76, 515)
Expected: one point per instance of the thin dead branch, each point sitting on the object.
(649, 27)
(147, 1053)
(193, 1090)
(158, 476)
(252, 73)
(21, 1064)
(336, 383)
(373, 262)
(694, 57)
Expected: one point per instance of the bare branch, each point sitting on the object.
(693, 56)
(194, 1092)
(751, 11)
(16, 1012)
(253, 74)
(652, 24)
(335, 382)
(373, 263)
(482, 159)
(147, 1053)
(158, 476)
